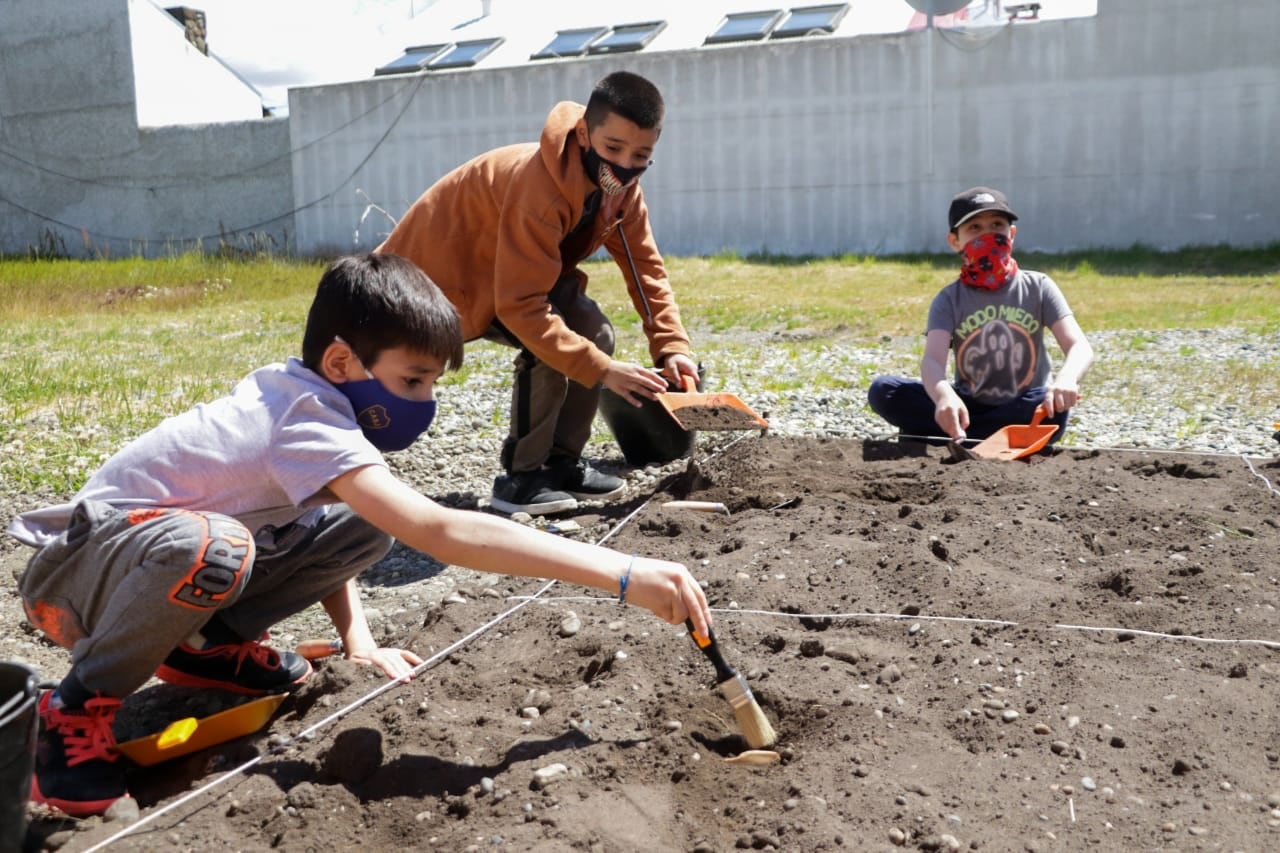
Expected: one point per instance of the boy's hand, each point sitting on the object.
(633, 383)
(676, 365)
(1059, 398)
(952, 416)
(669, 591)
(396, 663)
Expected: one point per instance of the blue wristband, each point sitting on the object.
(624, 580)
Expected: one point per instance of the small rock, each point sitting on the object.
(123, 810)
(570, 625)
(889, 675)
(544, 776)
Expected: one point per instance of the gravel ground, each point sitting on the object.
(1170, 390)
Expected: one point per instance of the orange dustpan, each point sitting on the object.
(189, 735)
(1016, 441)
(709, 411)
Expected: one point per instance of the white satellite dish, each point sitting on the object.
(938, 7)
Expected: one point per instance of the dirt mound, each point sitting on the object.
(1060, 654)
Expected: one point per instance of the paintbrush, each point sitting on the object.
(751, 720)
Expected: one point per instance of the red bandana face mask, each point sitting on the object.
(988, 262)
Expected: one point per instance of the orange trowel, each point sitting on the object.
(190, 734)
(1015, 441)
(695, 411)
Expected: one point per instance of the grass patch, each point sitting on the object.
(96, 352)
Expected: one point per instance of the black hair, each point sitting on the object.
(630, 96)
(377, 302)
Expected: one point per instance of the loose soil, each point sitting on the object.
(1076, 652)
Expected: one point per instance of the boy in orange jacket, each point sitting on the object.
(503, 235)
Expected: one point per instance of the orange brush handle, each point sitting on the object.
(316, 649)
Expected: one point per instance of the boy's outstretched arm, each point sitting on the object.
(490, 544)
(347, 615)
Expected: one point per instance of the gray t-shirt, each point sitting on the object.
(998, 335)
(264, 455)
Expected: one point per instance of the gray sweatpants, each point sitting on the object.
(551, 415)
(123, 588)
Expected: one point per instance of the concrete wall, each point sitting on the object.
(1153, 123)
(77, 175)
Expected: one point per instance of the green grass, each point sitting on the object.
(95, 352)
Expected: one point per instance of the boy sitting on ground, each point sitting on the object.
(189, 543)
(993, 317)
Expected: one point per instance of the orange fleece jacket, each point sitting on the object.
(489, 233)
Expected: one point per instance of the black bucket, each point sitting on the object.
(647, 435)
(18, 693)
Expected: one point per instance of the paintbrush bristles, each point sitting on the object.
(755, 727)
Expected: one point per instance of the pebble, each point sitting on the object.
(123, 810)
(570, 625)
(544, 776)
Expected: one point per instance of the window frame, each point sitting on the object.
(393, 67)
(486, 45)
(761, 35)
(651, 28)
(837, 12)
(596, 34)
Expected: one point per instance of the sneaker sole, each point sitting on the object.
(75, 808)
(596, 496)
(185, 679)
(547, 508)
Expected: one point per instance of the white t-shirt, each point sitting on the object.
(263, 455)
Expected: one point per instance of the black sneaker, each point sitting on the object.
(533, 492)
(248, 668)
(77, 768)
(577, 478)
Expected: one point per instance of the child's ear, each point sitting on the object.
(953, 240)
(580, 130)
(337, 361)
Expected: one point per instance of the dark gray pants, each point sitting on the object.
(551, 415)
(123, 588)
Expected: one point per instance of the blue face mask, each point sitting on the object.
(388, 421)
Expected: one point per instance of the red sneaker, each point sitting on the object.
(248, 668)
(77, 770)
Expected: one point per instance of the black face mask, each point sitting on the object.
(607, 175)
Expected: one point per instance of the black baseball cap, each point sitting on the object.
(975, 200)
